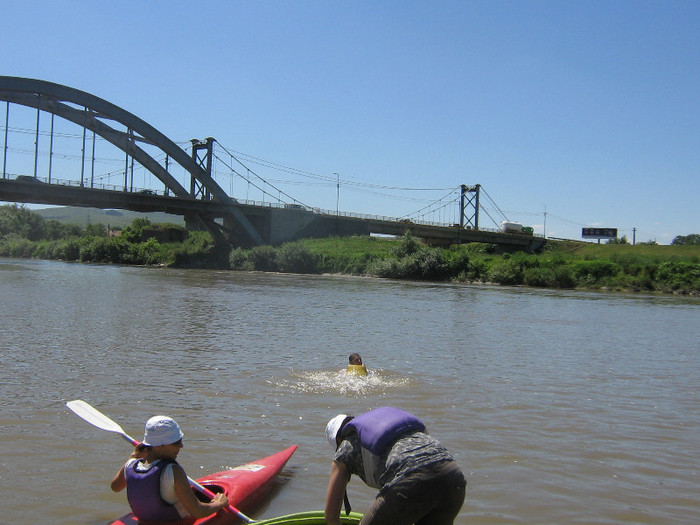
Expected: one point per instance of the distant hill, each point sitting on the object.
(121, 218)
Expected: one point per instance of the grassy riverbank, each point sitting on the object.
(618, 267)
(648, 268)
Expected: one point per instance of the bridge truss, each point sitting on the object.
(105, 119)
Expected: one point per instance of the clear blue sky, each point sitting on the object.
(590, 109)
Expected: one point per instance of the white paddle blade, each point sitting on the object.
(93, 416)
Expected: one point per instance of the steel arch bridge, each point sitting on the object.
(101, 117)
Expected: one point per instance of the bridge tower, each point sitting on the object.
(469, 207)
(202, 154)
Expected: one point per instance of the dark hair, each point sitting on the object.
(355, 357)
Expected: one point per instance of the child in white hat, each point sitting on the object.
(156, 485)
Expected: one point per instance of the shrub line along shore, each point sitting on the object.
(561, 265)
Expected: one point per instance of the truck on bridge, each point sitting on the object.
(516, 227)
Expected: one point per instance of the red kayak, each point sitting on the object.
(244, 486)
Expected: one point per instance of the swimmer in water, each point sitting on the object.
(355, 365)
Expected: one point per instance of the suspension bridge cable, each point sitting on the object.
(358, 186)
(395, 197)
(489, 216)
(433, 206)
(288, 169)
(494, 204)
(417, 212)
(280, 192)
(262, 190)
(435, 210)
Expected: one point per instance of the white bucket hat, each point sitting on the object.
(332, 429)
(161, 430)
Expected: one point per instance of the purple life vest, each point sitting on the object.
(377, 429)
(143, 493)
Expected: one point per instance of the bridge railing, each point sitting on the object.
(363, 216)
(86, 184)
(333, 213)
(263, 204)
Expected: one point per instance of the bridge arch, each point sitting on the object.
(96, 115)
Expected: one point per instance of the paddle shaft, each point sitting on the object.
(113, 427)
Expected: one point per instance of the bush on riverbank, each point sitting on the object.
(644, 267)
(562, 265)
(288, 258)
(24, 234)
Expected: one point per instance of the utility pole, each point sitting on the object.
(545, 222)
(337, 196)
(634, 236)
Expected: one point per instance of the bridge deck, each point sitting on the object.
(276, 225)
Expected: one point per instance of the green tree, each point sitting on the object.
(692, 239)
(22, 222)
(54, 230)
(96, 230)
(133, 232)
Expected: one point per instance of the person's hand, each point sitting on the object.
(220, 500)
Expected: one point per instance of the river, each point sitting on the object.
(560, 406)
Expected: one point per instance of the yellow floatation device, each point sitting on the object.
(360, 370)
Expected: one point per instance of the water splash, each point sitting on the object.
(327, 381)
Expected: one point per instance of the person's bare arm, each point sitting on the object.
(336, 489)
(196, 508)
(119, 480)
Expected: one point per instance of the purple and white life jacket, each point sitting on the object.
(143, 493)
(377, 429)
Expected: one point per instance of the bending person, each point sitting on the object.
(418, 479)
(156, 485)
